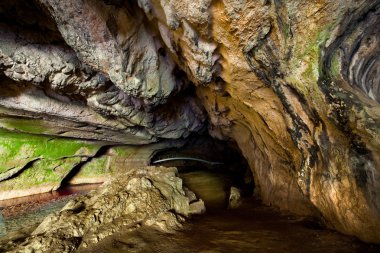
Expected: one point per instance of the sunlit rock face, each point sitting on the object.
(294, 83)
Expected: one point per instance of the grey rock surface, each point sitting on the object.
(149, 196)
(110, 76)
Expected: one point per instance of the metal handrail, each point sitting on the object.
(186, 159)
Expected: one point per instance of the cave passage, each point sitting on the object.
(209, 167)
(264, 108)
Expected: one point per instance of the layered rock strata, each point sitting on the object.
(32, 164)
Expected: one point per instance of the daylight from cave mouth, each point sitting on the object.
(207, 126)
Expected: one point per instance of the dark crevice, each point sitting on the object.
(224, 160)
(75, 170)
(25, 19)
(21, 170)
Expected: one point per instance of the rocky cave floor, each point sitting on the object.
(20, 216)
(251, 228)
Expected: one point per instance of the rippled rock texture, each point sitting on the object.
(150, 196)
(295, 83)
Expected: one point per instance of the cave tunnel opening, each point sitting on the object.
(211, 168)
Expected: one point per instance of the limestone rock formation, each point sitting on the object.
(35, 164)
(109, 80)
(147, 196)
(31, 164)
(295, 83)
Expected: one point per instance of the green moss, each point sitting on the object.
(335, 65)
(96, 167)
(108, 164)
(287, 30)
(312, 54)
(41, 173)
(53, 158)
(306, 65)
(288, 34)
(25, 125)
(16, 149)
(125, 151)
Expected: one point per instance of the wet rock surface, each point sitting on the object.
(26, 213)
(294, 83)
(150, 196)
(250, 228)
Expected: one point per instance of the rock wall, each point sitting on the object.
(32, 164)
(93, 72)
(294, 83)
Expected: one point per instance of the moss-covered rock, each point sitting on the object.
(34, 163)
(117, 159)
